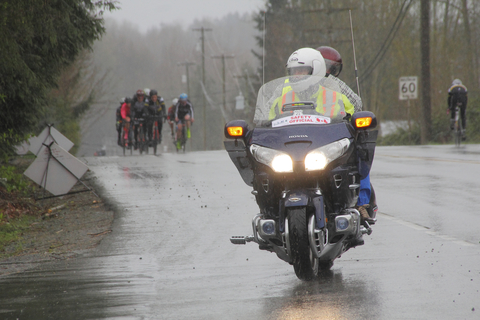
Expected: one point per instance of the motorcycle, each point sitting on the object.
(304, 159)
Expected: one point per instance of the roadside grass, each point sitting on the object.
(12, 231)
(18, 210)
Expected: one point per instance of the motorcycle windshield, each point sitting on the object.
(299, 100)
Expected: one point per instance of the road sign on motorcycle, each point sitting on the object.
(408, 88)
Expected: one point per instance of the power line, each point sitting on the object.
(388, 40)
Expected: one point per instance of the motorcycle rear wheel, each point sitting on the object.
(305, 264)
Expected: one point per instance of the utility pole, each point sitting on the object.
(202, 37)
(187, 64)
(425, 71)
(223, 57)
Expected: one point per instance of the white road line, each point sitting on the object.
(425, 229)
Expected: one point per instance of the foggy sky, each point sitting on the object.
(148, 14)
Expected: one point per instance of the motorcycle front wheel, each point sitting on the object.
(305, 263)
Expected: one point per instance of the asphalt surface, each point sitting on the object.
(169, 255)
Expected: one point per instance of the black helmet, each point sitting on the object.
(153, 93)
(128, 100)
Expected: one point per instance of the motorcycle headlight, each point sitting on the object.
(277, 160)
(319, 158)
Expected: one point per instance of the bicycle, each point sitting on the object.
(457, 128)
(156, 134)
(183, 140)
(126, 132)
(142, 143)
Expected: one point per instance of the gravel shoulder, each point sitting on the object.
(66, 228)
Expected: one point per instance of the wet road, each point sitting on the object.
(169, 255)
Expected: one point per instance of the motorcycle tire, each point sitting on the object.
(306, 266)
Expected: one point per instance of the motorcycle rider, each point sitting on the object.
(334, 64)
(171, 115)
(183, 116)
(138, 113)
(303, 62)
(155, 111)
(457, 94)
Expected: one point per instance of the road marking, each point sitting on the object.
(426, 230)
(428, 158)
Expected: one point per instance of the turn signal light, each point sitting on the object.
(235, 131)
(363, 122)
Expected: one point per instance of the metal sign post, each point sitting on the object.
(408, 90)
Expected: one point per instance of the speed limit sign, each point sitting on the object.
(408, 88)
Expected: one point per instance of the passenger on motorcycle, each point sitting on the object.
(125, 113)
(333, 61)
(457, 95)
(183, 116)
(171, 115)
(155, 111)
(138, 114)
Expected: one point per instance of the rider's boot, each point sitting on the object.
(464, 136)
(364, 216)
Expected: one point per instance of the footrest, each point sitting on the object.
(240, 239)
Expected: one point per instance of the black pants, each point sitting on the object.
(463, 109)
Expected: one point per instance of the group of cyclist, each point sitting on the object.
(146, 108)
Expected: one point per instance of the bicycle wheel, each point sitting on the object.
(155, 139)
(140, 140)
(458, 133)
(122, 141)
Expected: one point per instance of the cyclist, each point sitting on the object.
(457, 95)
(125, 113)
(155, 112)
(118, 121)
(138, 113)
(333, 61)
(183, 116)
(171, 115)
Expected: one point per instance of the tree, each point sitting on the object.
(37, 40)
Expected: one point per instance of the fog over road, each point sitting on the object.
(169, 255)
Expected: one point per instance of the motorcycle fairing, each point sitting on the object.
(310, 137)
(238, 154)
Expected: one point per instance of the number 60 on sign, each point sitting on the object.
(408, 88)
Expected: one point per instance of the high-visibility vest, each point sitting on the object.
(329, 102)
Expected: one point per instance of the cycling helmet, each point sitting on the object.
(153, 93)
(175, 101)
(140, 92)
(333, 60)
(128, 100)
(146, 91)
(456, 82)
(183, 96)
(306, 60)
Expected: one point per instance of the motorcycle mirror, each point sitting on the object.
(236, 129)
(364, 120)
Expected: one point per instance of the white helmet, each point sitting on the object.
(309, 59)
(456, 82)
(122, 100)
(175, 101)
(147, 92)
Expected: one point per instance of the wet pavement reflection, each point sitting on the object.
(169, 255)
